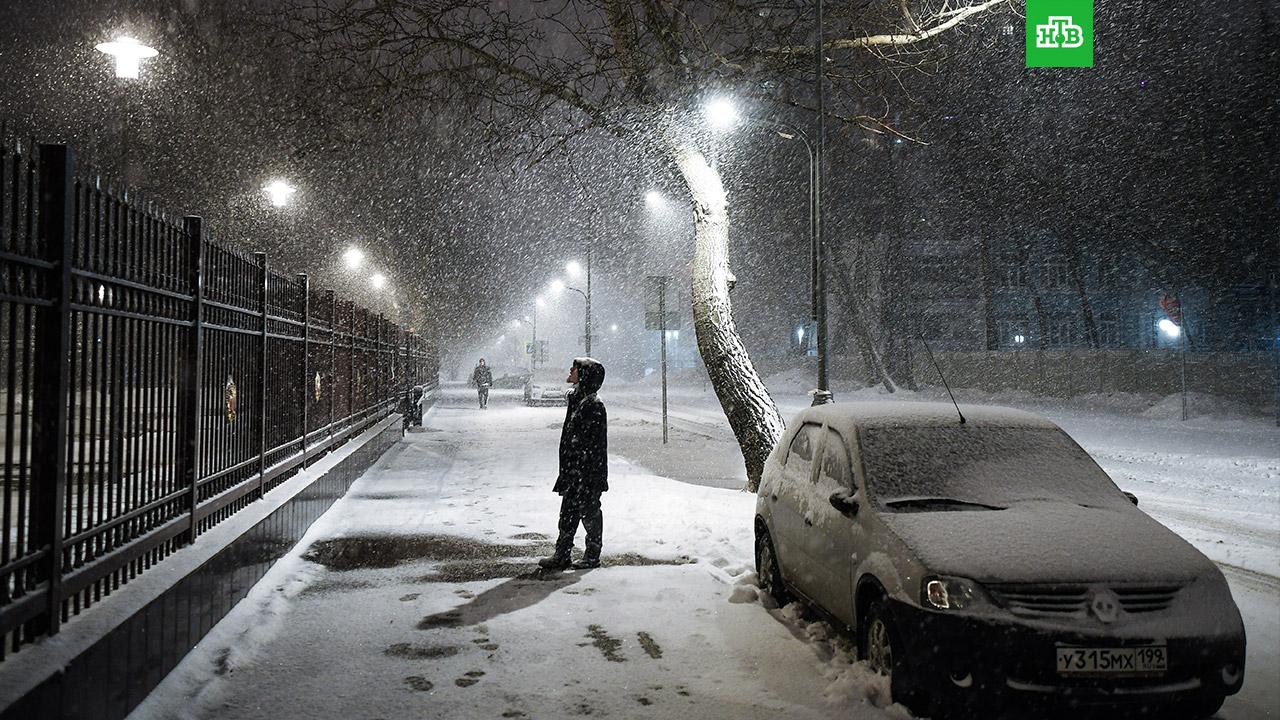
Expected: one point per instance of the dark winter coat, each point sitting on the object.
(482, 375)
(584, 446)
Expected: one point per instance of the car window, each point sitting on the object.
(992, 466)
(800, 454)
(835, 468)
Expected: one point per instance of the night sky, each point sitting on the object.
(1162, 156)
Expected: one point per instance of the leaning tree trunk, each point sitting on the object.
(750, 410)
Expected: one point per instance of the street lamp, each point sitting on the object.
(279, 191)
(1169, 328)
(722, 115)
(654, 200)
(378, 281)
(559, 285)
(128, 54)
(353, 257)
(573, 267)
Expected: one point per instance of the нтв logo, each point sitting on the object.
(1059, 33)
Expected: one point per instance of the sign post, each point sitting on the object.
(662, 334)
(1172, 307)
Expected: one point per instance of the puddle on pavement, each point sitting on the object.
(384, 551)
(459, 560)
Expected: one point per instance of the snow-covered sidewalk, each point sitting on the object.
(417, 596)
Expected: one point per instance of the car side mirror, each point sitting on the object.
(844, 503)
(1132, 498)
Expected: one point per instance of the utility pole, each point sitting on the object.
(1273, 338)
(662, 334)
(822, 393)
(587, 342)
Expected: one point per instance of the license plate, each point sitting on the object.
(1140, 660)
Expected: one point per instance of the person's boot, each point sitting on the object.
(587, 563)
(555, 562)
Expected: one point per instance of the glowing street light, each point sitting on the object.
(353, 257)
(573, 267)
(378, 281)
(721, 113)
(540, 302)
(128, 54)
(557, 285)
(279, 192)
(1169, 328)
(654, 200)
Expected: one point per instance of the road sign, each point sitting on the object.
(653, 320)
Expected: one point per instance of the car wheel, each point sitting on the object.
(880, 646)
(768, 574)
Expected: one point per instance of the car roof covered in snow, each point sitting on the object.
(847, 417)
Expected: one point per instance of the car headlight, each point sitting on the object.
(951, 593)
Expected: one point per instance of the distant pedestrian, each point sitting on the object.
(584, 467)
(482, 378)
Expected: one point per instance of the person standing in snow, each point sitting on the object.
(482, 378)
(584, 467)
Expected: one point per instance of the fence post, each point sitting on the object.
(261, 259)
(351, 375)
(52, 377)
(383, 376)
(305, 281)
(192, 361)
(332, 299)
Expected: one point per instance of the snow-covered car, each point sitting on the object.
(546, 387)
(991, 562)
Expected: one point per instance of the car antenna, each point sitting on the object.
(934, 360)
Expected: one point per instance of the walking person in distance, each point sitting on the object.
(482, 378)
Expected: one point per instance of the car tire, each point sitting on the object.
(880, 646)
(768, 572)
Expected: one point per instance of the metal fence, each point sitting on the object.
(153, 384)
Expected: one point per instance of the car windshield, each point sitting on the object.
(549, 378)
(966, 467)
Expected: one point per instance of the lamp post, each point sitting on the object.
(574, 268)
(128, 55)
(721, 114)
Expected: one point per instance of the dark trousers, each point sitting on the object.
(484, 396)
(584, 508)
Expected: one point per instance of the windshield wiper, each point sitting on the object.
(940, 503)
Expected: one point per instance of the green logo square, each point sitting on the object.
(1059, 33)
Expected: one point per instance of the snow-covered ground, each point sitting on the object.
(419, 598)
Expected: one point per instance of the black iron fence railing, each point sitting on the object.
(153, 383)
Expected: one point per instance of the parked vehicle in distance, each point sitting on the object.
(991, 563)
(546, 387)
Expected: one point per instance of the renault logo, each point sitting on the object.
(1105, 606)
